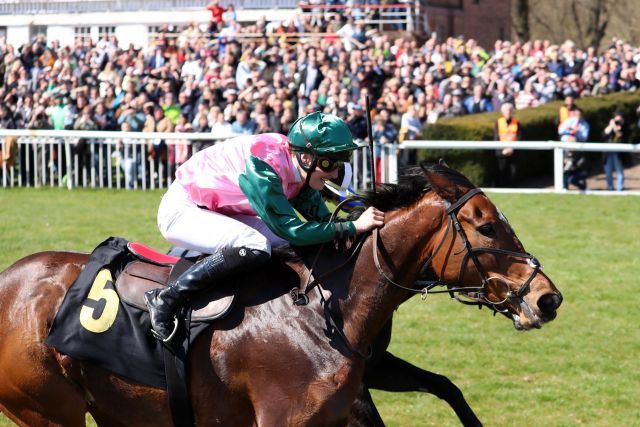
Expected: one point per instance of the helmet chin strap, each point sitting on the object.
(308, 169)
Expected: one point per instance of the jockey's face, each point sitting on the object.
(318, 176)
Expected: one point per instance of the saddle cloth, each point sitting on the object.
(103, 318)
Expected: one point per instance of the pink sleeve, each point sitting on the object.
(273, 148)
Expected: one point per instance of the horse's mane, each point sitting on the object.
(411, 186)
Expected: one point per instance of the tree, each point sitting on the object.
(586, 22)
(591, 19)
(521, 19)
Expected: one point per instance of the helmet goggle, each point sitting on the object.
(329, 165)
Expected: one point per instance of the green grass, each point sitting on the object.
(580, 369)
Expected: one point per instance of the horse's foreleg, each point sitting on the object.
(394, 374)
(363, 411)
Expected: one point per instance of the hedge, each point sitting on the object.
(539, 124)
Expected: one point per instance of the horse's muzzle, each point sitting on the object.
(548, 304)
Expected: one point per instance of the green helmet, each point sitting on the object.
(322, 134)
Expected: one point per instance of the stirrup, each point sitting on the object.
(170, 337)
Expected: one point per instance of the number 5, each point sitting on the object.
(110, 311)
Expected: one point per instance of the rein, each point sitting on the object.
(426, 287)
(302, 298)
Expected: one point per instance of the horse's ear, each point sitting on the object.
(444, 187)
(441, 162)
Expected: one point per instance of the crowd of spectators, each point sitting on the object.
(215, 80)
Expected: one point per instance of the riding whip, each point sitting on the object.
(370, 136)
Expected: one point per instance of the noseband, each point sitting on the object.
(473, 295)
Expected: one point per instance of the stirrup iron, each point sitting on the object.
(170, 337)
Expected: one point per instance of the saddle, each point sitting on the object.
(153, 270)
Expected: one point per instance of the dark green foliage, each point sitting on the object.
(539, 124)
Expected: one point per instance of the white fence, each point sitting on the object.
(97, 6)
(135, 160)
(558, 152)
(132, 160)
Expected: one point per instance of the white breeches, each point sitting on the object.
(186, 225)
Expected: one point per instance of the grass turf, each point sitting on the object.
(580, 369)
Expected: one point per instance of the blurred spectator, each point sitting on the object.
(452, 104)
(477, 103)
(125, 159)
(220, 127)
(566, 108)
(410, 125)
(507, 129)
(215, 24)
(500, 95)
(179, 151)
(526, 98)
(410, 129)
(171, 110)
(81, 148)
(574, 129)
(10, 148)
(157, 60)
(616, 132)
(262, 124)
(275, 115)
(243, 124)
(131, 113)
(229, 15)
(383, 133)
(288, 117)
(156, 121)
(310, 76)
(357, 121)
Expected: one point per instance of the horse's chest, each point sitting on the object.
(334, 392)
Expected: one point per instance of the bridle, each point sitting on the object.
(472, 295)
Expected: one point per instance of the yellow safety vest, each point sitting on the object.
(563, 115)
(508, 131)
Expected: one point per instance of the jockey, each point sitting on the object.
(236, 200)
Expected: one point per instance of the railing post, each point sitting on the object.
(558, 169)
(69, 160)
(392, 175)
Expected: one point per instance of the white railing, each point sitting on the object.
(92, 6)
(124, 159)
(94, 159)
(399, 13)
(558, 152)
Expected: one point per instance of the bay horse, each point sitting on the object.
(270, 362)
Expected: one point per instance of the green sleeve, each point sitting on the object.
(311, 205)
(263, 188)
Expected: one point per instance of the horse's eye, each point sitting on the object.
(487, 230)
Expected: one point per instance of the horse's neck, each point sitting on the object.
(407, 237)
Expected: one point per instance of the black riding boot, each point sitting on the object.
(164, 303)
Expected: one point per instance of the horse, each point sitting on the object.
(270, 361)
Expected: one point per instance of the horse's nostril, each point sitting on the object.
(548, 303)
